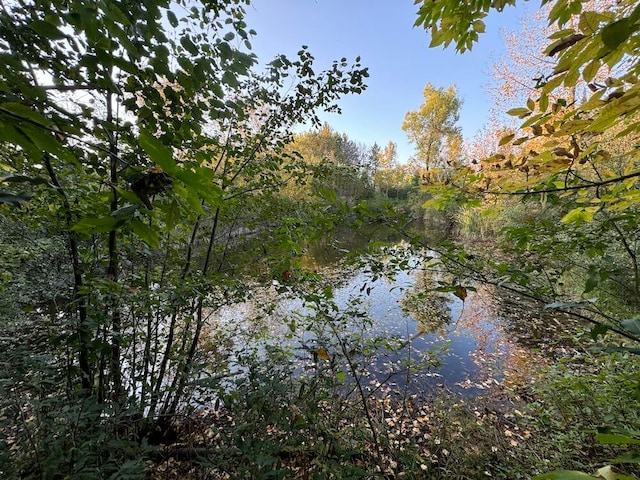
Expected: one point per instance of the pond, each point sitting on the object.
(380, 321)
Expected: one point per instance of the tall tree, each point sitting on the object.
(433, 128)
(388, 163)
(342, 161)
(141, 138)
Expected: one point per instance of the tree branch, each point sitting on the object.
(568, 188)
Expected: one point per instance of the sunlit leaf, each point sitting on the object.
(323, 354)
(580, 215)
(506, 139)
(158, 153)
(143, 231)
(516, 112)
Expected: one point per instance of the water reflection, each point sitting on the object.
(392, 327)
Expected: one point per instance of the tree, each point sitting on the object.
(576, 155)
(388, 163)
(433, 129)
(138, 137)
(579, 149)
(339, 163)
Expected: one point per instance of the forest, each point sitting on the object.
(194, 287)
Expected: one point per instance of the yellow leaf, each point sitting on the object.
(323, 354)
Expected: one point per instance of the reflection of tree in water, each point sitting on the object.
(535, 327)
(476, 319)
(428, 307)
(500, 352)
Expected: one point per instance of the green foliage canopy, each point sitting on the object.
(141, 137)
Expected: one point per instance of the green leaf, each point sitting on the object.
(341, 376)
(118, 15)
(516, 112)
(158, 152)
(188, 45)
(616, 439)
(143, 231)
(173, 20)
(479, 26)
(15, 199)
(91, 225)
(47, 29)
(191, 198)
(23, 111)
(543, 103)
(598, 330)
(172, 213)
(506, 139)
(589, 22)
(632, 457)
(617, 32)
(328, 194)
(580, 215)
(126, 212)
(230, 79)
(631, 325)
(591, 70)
(10, 178)
(563, 475)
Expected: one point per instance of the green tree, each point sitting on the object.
(433, 129)
(576, 155)
(338, 163)
(138, 138)
(387, 164)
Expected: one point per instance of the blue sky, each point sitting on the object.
(397, 54)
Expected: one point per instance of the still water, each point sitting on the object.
(387, 327)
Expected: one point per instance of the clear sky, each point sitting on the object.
(397, 54)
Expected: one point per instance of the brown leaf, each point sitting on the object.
(323, 354)
(460, 292)
(562, 152)
(565, 42)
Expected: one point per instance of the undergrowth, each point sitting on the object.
(281, 426)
